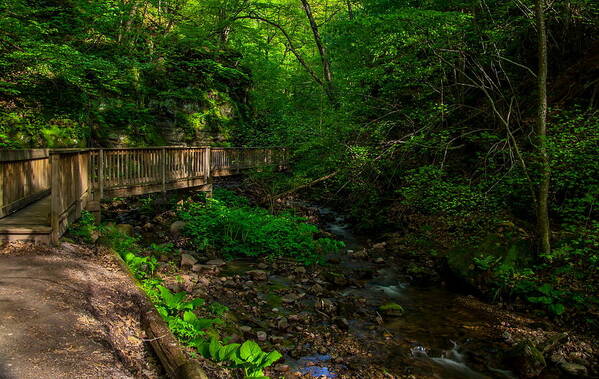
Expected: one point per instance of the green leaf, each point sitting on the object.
(556, 309)
(270, 358)
(226, 351)
(249, 350)
(197, 303)
(213, 348)
(204, 349)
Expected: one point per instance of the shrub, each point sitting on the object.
(84, 228)
(227, 223)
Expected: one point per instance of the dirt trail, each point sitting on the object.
(69, 312)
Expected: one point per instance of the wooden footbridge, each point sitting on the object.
(43, 191)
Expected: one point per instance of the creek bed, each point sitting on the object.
(327, 320)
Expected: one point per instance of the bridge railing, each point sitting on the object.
(135, 171)
(80, 178)
(71, 188)
(24, 178)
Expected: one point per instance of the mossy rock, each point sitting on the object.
(496, 249)
(392, 309)
(526, 360)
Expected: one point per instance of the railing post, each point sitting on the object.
(78, 186)
(163, 165)
(1, 188)
(55, 207)
(101, 174)
(97, 206)
(207, 171)
(207, 162)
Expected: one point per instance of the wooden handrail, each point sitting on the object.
(23, 155)
(80, 178)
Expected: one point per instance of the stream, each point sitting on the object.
(442, 334)
(328, 320)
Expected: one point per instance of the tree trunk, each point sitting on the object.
(326, 64)
(542, 210)
(350, 11)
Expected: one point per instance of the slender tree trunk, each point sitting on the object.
(542, 210)
(350, 11)
(326, 63)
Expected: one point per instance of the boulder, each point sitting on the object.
(379, 247)
(126, 229)
(316, 289)
(342, 323)
(325, 305)
(177, 227)
(573, 369)
(187, 261)
(258, 274)
(526, 359)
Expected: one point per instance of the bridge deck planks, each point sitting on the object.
(29, 223)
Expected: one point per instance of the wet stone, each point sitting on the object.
(281, 367)
(216, 262)
(187, 261)
(573, 369)
(261, 336)
(283, 323)
(176, 228)
(258, 274)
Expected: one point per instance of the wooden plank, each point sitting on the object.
(23, 155)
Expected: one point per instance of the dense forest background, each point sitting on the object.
(421, 114)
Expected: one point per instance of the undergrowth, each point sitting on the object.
(230, 225)
(191, 320)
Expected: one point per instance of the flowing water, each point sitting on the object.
(444, 335)
(439, 337)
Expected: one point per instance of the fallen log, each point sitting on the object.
(303, 186)
(170, 352)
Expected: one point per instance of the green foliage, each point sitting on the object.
(234, 228)
(430, 191)
(550, 297)
(173, 304)
(162, 249)
(247, 356)
(185, 315)
(217, 308)
(84, 228)
(562, 283)
(119, 72)
(575, 172)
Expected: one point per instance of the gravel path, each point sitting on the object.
(69, 313)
